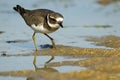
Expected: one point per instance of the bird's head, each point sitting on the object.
(55, 20)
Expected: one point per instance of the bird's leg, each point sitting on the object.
(52, 40)
(52, 57)
(34, 61)
(34, 40)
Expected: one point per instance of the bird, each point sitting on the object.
(43, 21)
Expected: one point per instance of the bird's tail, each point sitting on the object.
(19, 9)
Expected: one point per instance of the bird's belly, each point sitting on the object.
(40, 29)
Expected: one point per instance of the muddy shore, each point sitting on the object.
(102, 64)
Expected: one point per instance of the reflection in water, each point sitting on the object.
(34, 61)
(38, 71)
(36, 52)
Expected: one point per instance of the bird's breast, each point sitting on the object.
(41, 29)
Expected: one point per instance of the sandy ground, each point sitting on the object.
(102, 64)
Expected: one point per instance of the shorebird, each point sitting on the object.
(41, 21)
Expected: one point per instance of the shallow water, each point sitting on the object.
(77, 13)
(26, 63)
(22, 63)
(11, 78)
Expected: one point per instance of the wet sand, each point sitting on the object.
(101, 64)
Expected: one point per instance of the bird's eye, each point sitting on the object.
(53, 20)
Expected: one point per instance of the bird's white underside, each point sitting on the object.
(40, 28)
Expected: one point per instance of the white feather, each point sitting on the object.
(50, 24)
(59, 19)
(40, 28)
(53, 25)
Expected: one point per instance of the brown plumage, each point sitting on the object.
(41, 20)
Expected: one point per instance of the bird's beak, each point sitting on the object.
(61, 25)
